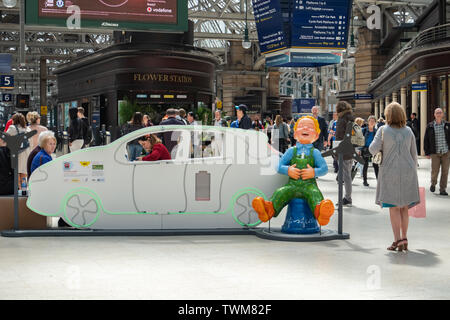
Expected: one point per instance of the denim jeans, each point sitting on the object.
(134, 151)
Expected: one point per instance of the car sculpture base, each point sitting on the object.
(277, 234)
(272, 234)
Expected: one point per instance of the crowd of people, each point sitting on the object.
(396, 137)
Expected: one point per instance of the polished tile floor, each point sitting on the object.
(243, 267)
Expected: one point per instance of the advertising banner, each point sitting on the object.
(168, 15)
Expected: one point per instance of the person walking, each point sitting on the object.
(18, 126)
(345, 115)
(398, 186)
(218, 121)
(87, 129)
(369, 134)
(332, 138)
(322, 142)
(34, 119)
(243, 119)
(283, 134)
(436, 147)
(414, 124)
(75, 131)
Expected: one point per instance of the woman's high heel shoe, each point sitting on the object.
(393, 246)
(404, 243)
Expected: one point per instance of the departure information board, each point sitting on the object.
(269, 24)
(302, 32)
(320, 24)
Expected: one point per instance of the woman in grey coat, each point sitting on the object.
(397, 187)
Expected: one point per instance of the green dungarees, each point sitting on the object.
(304, 189)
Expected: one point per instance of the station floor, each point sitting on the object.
(243, 267)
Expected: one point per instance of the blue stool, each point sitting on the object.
(299, 218)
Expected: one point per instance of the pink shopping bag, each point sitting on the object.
(419, 210)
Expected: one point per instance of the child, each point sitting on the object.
(302, 163)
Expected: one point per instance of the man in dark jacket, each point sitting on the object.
(436, 146)
(6, 172)
(322, 142)
(414, 124)
(243, 119)
(170, 138)
(86, 128)
(345, 115)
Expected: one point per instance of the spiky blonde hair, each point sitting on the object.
(316, 123)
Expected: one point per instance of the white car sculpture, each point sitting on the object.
(200, 188)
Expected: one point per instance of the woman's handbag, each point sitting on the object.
(419, 210)
(378, 158)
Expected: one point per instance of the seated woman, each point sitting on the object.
(155, 149)
(48, 146)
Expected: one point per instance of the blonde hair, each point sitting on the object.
(278, 120)
(395, 115)
(316, 123)
(359, 121)
(32, 117)
(45, 139)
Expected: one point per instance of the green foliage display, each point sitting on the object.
(127, 108)
(204, 115)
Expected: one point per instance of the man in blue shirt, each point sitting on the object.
(302, 163)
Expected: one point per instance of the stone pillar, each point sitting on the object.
(386, 101)
(43, 89)
(376, 113)
(369, 61)
(394, 97)
(423, 113)
(403, 99)
(381, 108)
(414, 106)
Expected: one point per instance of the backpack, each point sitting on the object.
(25, 144)
(357, 136)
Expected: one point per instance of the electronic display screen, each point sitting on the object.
(146, 11)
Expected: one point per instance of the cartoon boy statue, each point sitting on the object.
(302, 163)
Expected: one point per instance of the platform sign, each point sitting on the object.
(321, 24)
(303, 58)
(170, 15)
(363, 96)
(6, 97)
(6, 82)
(269, 24)
(417, 87)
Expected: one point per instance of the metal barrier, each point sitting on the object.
(107, 137)
(65, 148)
